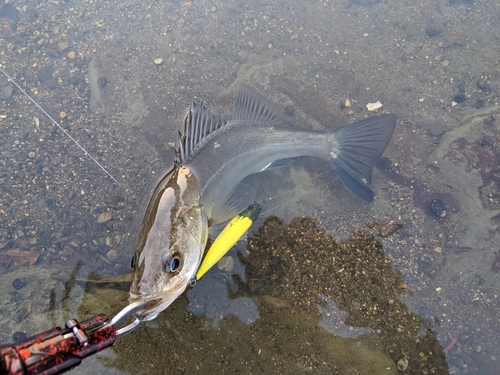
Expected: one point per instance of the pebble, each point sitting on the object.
(71, 55)
(438, 249)
(18, 336)
(19, 283)
(445, 63)
(63, 114)
(402, 364)
(347, 103)
(478, 348)
(112, 255)
(374, 106)
(437, 207)
(105, 216)
(32, 154)
(158, 61)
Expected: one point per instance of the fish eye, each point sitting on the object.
(172, 262)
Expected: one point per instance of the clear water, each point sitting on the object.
(91, 65)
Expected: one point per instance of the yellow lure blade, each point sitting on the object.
(228, 237)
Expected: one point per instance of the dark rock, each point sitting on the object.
(483, 85)
(18, 336)
(45, 73)
(9, 11)
(436, 129)
(289, 110)
(437, 208)
(19, 283)
(485, 141)
(74, 80)
(51, 83)
(434, 28)
(386, 163)
(459, 98)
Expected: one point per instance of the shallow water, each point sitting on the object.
(91, 66)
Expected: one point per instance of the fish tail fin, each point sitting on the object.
(358, 147)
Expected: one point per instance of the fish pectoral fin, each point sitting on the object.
(215, 230)
(253, 107)
(237, 201)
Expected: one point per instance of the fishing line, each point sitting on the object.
(60, 127)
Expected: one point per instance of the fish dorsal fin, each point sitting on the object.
(251, 106)
(199, 123)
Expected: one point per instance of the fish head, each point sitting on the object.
(171, 243)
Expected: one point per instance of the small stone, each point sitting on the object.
(402, 364)
(386, 163)
(19, 283)
(289, 110)
(421, 100)
(71, 55)
(445, 63)
(402, 286)
(438, 289)
(226, 264)
(374, 106)
(32, 154)
(158, 61)
(270, 46)
(459, 98)
(112, 255)
(74, 243)
(438, 249)
(478, 348)
(18, 336)
(347, 103)
(105, 216)
(437, 207)
(63, 114)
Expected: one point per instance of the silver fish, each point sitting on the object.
(204, 187)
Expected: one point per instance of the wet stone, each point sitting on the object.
(51, 83)
(105, 216)
(386, 163)
(112, 255)
(19, 283)
(437, 208)
(459, 98)
(485, 140)
(402, 364)
(289, 110)
(18, 336)
(45, 74)
(103, 82)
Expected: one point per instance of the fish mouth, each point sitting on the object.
(152, 307)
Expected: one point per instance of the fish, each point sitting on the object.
(204, 188)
